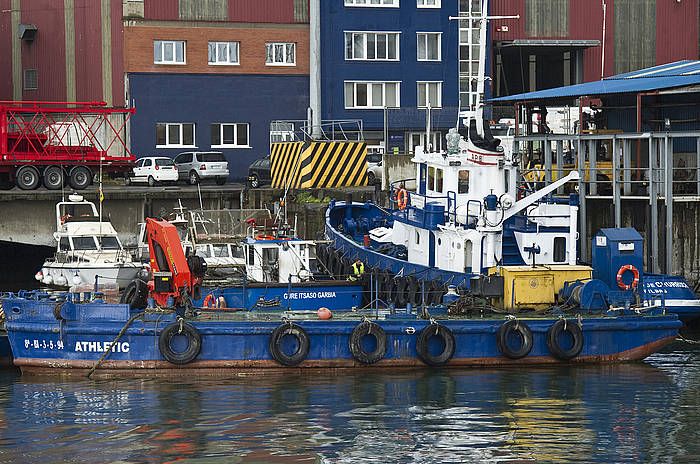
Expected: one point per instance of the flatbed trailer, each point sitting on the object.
(62, 143)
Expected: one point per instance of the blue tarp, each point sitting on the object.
(666, 76)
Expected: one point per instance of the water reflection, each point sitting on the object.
(623, 413)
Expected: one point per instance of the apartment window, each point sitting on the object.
(374, 3)
(429, 46)
(31, 79)
(429, 92)
(372, 46)
(178, 134)
(230, 135)
(372, 95)
(280, 54)
(223, 53)
(428, 3)
(169, 51)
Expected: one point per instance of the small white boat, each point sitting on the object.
(88, 250)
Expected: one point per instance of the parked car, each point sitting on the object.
(193, 166)
(260, 172)
(374, 168)
(153, 169)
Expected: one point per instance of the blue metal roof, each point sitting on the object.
(665, 76)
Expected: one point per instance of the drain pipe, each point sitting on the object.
(315, 67)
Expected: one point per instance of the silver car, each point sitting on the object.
(194, 166)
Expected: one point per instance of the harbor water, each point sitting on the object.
(638, 412)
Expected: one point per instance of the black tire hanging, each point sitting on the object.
(386, 281)
(553, 339)
(519, 328)
(413, 290)
(194, 343)
(302, 339)
(362, 330)
(401, 292)
(135, 294)
(448, 338)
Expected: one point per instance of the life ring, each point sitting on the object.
(210, 301)
(194, 343)
(448, 340)
(635, 275)
(554, 338)
(507, 330)
(302, 340)
(264, 237)
(402, 198)
(135, 294)
(362, 330)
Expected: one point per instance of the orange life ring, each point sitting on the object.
(635, 275)
(264, 237)
(402, 198)
(210, 301)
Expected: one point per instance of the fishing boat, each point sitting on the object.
(88, 250)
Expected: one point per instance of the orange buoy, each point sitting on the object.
(324, 313)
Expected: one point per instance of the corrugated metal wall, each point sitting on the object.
(47, 53)
(6, 39)
(635, 34)
(674, 20)
(204, 10)
(88, 50)
(117, 55)
(547, 18)
(249, 11)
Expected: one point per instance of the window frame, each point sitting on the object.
(349, 37)
(427, 35)
(235, 133)
(422, 4)
(284, 63)
(216, 44)
(368, 83)
(366, 4)
(173, 62)
(426, 84)
(167, 132)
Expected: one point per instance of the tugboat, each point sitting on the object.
(88, 250)
(467, 224)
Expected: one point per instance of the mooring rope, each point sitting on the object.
(111, 345)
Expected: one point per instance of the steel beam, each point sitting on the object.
(668, 173)
(615, 183)
(583, 231)
(653, 232)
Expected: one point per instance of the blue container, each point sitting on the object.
(614, 248)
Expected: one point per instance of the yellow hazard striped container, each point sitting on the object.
(319, 164)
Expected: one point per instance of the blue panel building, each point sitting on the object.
(387, 60)
(207, 100)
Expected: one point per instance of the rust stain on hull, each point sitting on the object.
(222, 368)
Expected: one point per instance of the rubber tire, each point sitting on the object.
(193, 348)
(556, 330)
(221, 180)
(28, 178)
(503, 333)
(54, 178)
(254, 181)
(321, 255)
(192, 178)
(401, 292)
(360, 331)
(297, 332)
(371, 178)
(135, 294)
(413, 290)
(152, 182)
(387, 282)
(80, 178)
(422, 345)
(330, 263)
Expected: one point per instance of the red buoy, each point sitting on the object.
(324, 313)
